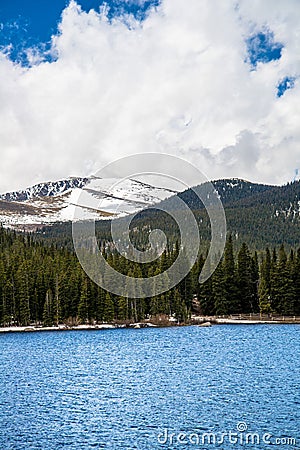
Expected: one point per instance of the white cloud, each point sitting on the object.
(176, 83)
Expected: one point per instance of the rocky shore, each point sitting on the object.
(201, 321)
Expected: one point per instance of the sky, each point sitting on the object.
(84, 83)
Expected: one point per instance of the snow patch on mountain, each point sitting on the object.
(80, 199)
(291, 212)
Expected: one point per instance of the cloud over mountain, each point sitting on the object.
(181, 81)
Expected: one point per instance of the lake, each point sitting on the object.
(228, 386)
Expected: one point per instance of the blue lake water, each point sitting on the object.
(151, 388)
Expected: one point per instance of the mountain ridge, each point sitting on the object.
(44, 189)
(256, 213)
(260, 215)
(78, 198)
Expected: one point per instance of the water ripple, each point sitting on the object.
(119, 389)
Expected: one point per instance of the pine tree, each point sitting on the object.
(232, 302)
(206, 297)
(221, 306)
(296, 279)
(100, 302)
(289, 301)
(155, 305)
(264, 297)
(48, 314)
(108, 309)
(282, 287)
(23, 295)
(4, 314)
(83, 312)
(123, 308)
(57, 305)
(180, 309)
(245, 281)
(255, 281)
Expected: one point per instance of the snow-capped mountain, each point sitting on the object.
(106, 198)
(79, 198)
(50, 189)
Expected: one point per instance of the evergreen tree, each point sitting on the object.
(255, 281)
(221, 306)
(245, 285)
(264, 297)
(207, 298)
(123, 308)
(23, 295)
(57, 305)
(232, 304)
(282, 287)
(48, 314)
(83, 309)
(108, 309)
(296, 280)
(180, 309)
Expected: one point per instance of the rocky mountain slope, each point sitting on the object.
(96, 198)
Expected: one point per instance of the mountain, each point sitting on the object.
(260, 215)
(233, 191)
(257, 214)
(96, 198)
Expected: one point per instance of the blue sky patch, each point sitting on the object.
(29, 23)
(263, 48)
(285, 84)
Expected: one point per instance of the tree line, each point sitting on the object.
(44, 284)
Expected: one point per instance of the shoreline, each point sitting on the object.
(256, 322)
(142, 325)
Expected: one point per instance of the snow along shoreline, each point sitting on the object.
(102, 326)
(107, 326)
(29, 328)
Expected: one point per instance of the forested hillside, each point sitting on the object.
(45, 285)
(257, 214)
